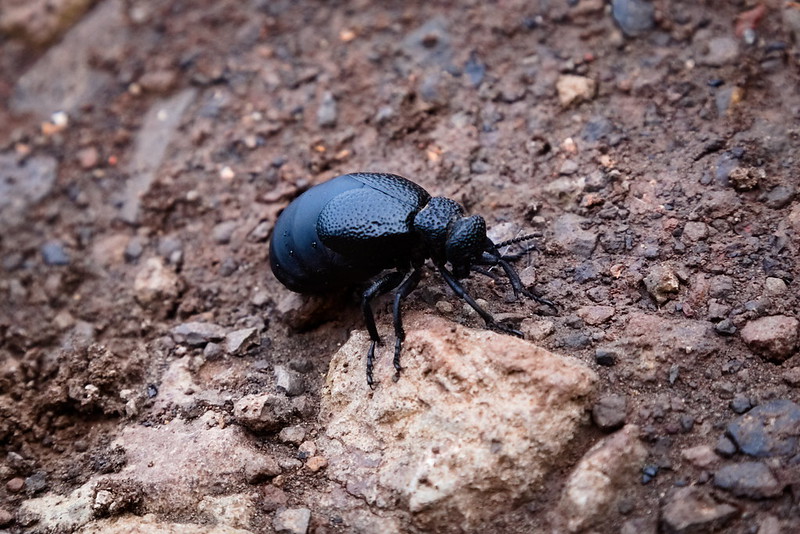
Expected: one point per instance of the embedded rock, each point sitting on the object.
(472, 426)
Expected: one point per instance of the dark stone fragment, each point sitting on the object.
(134, 249)
(474, 69)
(605, 356)
(740, 404)
(609, 412)
(725, 327)
(36, 482)
(748, 479)
(577, 340)
(585, 272)
(779, 197)
(53, 253)
(633, 16)
(771, 429)
(649, 472)
(687, 423)
(725, 447)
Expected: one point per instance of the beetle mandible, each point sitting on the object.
(382, 228)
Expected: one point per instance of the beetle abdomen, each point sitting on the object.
(344, 231)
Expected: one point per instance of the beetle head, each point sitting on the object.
(466, 240)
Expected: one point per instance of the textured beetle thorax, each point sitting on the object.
(433, 223)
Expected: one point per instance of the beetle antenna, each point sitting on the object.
(519, 239)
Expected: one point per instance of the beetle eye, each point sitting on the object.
(465, 242)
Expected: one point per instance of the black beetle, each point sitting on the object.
(356, 226)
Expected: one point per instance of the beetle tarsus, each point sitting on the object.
(370, 363)
(408, 285)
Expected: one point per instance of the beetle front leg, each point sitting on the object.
(380, 286)
(406, 287)
(513, 277)
(459, 290)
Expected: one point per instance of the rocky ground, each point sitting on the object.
(155, 377)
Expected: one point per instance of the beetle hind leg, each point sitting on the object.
(380, 286)
(408, 285)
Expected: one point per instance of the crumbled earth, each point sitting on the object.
(155, 377)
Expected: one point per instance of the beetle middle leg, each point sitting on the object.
(380, 286)
(406, 287)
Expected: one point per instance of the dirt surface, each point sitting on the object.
(146, 149)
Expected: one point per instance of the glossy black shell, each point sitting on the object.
(345, 231)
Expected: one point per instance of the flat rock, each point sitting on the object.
(771, 429)
(497, 404)
(568, 233)
(692, 510)
(63, 78)
(151, 524)
(595, 315)
(23, 183)
(180, 463)
(158, 127)
(774, 337)
(197, 333)
(292, 521)
(652, 342)
(240, 340)
(57, 513)
(600, 479)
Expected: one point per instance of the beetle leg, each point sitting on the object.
(380, 286)
(406, 287)
(513, 277)
(459, 290)
(485, 272)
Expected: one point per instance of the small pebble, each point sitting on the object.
(223, 231)
(292, 521)
(292, 434)
(725, 447)
(574, 89)
(53, 253)
(315, 463)
(609, 412)
(774, 337)
(327, 113)
(15, 485)
(779, 197)
(725, 327)
(740, 404)
(634, 17)
(605, 356)
(649, 472)
(289, 381)
(6, 517)
(36, 482)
